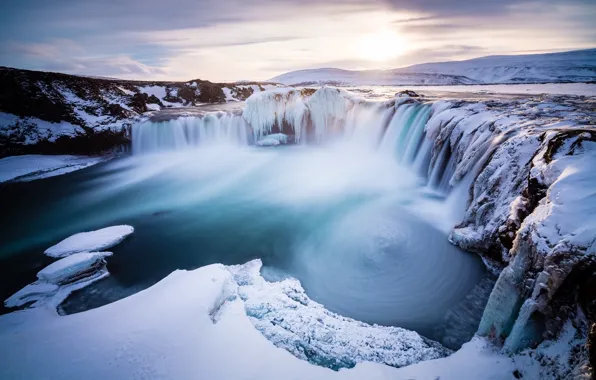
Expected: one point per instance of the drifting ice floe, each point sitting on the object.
(59, 279)
(90, 241)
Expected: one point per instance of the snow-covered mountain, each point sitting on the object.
(572, 66)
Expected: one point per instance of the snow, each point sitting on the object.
(153, 107)
(273, 140)
(573, 66)
(158, 91)
(70, 266)
(59, 279)
(92, 241)
(264, 110)
(190, 325)
(125, 91)
(31, 167)
(284, 314)
(571, 182)
(228, 93)
(480, 90)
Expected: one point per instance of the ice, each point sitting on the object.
(572, 66)
(190, 326)
(59, 279)
(34, 166)
(284, 314)
(264, 110)
(273, 140)
(64, 270)
(92, 241)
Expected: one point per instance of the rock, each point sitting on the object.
(409, 93)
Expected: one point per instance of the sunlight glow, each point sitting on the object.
(381, 46)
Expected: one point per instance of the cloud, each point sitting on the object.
(228, 39)
(67, 56)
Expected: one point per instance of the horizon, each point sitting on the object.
(271, 80)
(232, 41)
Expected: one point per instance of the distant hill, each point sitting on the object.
(572, 66)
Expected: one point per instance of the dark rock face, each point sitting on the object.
(211, 93)
(409, 93)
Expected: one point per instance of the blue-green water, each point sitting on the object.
(355, 228)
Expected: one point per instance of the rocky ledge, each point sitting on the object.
(53, 113)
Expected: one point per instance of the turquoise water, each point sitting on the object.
(360, 232)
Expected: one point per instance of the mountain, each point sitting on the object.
(571, 66)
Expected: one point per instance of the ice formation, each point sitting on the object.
(284, 314)
(92, 241)
(267, 109)
(155, 335)
(59, 279)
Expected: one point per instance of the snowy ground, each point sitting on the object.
(36, 166)
(194, 325)
(480, 91)
(191, 325)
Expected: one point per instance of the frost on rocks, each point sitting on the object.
(554, 250)
(284, 314)
(90, 241)
(59, 279)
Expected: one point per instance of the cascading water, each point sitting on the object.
(396, 129)
(189, 132)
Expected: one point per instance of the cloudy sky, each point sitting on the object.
(223, 40)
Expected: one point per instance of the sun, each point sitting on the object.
(380, 46)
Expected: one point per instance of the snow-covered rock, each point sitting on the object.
(43, 110)
(59, 279)
(71, 267)
(92, 241)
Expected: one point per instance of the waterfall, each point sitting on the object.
(416, 134)
(189, 132)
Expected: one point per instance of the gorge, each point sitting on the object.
(379, 210)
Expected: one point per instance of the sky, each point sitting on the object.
(228, 40)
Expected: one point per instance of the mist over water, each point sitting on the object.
(352, 219)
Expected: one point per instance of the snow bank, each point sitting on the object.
(59, 279)
(33, 166)
(193, 325)
(92, 241)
